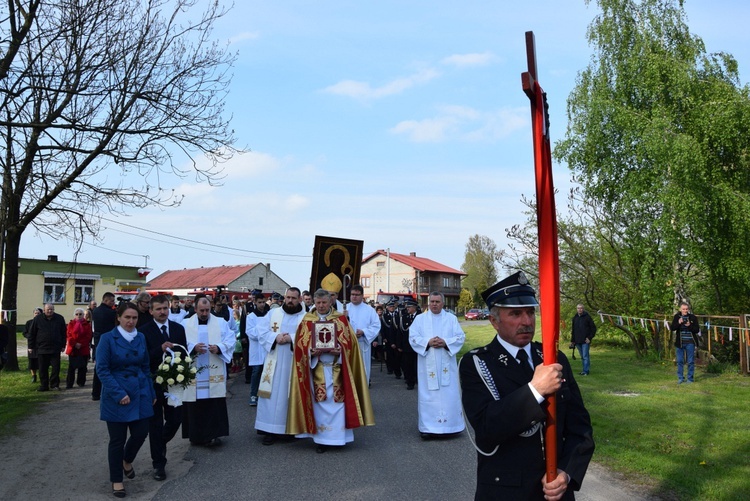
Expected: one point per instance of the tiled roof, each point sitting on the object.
(199, 277)
(418, 263)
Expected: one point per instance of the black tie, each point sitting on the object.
(164, 332)
(523, 359)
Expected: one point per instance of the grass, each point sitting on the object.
(18, 395)
(686, 442)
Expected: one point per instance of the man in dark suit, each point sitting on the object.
(503, 399)
(161, 334)
(104, 319)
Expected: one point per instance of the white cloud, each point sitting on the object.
(245, 35)
(363, 90)
(462, 123)
(466, 60)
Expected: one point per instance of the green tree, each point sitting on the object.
(657, 137)
(480, 265)
(96, 97)
(465, 301)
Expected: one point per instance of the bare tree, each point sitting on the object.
(96, 98)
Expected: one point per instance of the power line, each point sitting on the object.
(212, 245)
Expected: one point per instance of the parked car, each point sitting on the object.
(485, 314)
(473, 314)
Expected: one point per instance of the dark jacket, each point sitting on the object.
(582, 327)
(693, 328)
(48, 335)
(104, 319)
(508, 420)
(154, 340)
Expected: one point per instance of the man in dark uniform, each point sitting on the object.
(161, 334)
(408, 355)
(391, 339)
(503, 399)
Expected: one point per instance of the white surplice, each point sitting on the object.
(215, 373)
(363, 316)
(439, 406)
(256, 352)
(271, 415)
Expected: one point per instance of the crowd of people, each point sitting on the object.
(307, 358)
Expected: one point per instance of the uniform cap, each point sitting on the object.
(512, 292)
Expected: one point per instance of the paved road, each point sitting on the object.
(60, 453)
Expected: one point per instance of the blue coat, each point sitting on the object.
(123, 369)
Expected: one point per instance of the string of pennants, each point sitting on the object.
(719, 331)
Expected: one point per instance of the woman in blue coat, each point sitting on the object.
(127, 393)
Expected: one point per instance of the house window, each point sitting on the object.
(365, 282)
(84, 291)
(446, 281)
(260, 281)
(380, 264)
(54, 291)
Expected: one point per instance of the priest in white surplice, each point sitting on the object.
(276, 334)
(211, 343)
(366, 324)
(437, 337)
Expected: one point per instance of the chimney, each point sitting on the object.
(413, 254)
(268, 265)
(52, 258)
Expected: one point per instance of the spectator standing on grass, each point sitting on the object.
(582, 332)
(33, 360)
(687, 330)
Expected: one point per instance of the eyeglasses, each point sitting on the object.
(79, 314)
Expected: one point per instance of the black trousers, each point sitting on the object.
(163, 427)
(49, 379)
(76, 363)
(96, 384)
(395, 357)
(409, 366)
(121, 448)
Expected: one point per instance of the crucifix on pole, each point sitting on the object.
(549, 271)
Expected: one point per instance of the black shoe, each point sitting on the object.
(409, 386)
(427, 436)
(160, 475)
(584, 374)
(95, 398)
(320, 449)
(269, 439)
(41, 388)
(69, 387)
(129, 473)
(118, 493)
(398, 376)
(33, 378)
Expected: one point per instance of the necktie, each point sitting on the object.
(523, 359)
(164, 332)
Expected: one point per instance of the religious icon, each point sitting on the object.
(324, 338)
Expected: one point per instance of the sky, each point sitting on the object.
(399, 123)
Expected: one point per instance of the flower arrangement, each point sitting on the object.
(177, 370)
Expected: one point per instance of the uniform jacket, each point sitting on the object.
(694, 328)
(583, 327)
(512, 424)
(123, 369)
